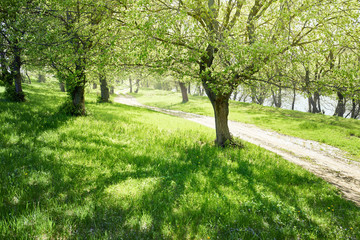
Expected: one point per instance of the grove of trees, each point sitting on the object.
(265, 46)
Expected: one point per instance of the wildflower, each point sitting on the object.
(208, 237)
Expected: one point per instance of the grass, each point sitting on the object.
(129, 173)
(336, 131)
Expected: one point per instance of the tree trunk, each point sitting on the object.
(27, 75)
(314, 103)
(130, 84)
(104, 89)
(16, 73)
(77, 90)
(79, 100)
(317, 101)
(253, 95)
(3, 63)
(340, 107)
(294, 98)
(189, 89)
(41, 78)
(355, 111)
(200, 90)
(94, 85)
(184, 94)
(112, 90)
(235, 95)
(276, 98)
(137, 84)
(220, 102)
(62, 86)
(220, 105)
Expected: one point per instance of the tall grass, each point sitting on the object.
(129, 173)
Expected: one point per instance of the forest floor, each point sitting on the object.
(327, 162)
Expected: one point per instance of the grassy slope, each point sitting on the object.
(335, 131)
(131, 173)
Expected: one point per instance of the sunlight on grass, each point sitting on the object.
(338, 132)
(130, 173)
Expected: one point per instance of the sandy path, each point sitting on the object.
(323, 160)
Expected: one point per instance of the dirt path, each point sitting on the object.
(323, 160)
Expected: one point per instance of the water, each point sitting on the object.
(327, 103)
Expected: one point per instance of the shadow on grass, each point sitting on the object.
(99, 188)
(23, 119)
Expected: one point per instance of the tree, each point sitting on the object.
(15, 23)
(229, 41)
(78, 28)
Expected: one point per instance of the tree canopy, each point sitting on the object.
(309, 46)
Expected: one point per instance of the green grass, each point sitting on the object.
(130, 173)
(336, 131)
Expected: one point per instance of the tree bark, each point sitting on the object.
(317, 101)
(200, 90)
(355, 111)
(220, 105)
(294, 98)
(62, 86)
(235, 95)
(94, 85)
(27, 75)
(276, 98)
(340, 107)
(77, 90)
(137, 84)
(189, 89)
(253, 95)
(184, 94)
(16, 73)
(314, 103)
(220, 102)
(104, 89)
(130, 84)
(79, 100)
(5, 74)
